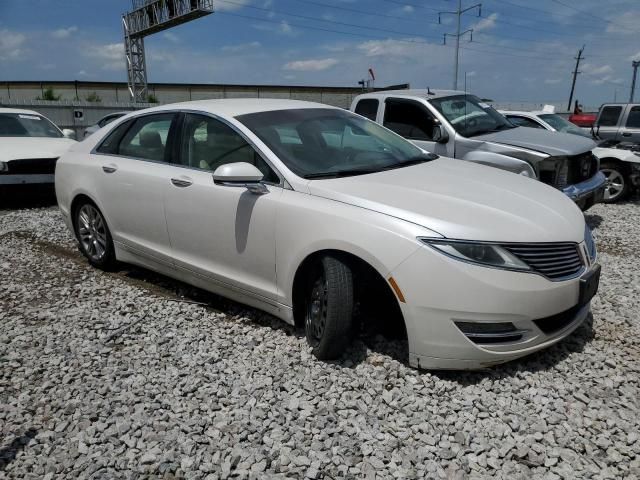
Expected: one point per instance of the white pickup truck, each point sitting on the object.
(458, 125)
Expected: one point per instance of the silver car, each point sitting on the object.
(107, 119)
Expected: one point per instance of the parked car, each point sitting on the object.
(30, 145)
(459, 125)
(620, 166)
(618, 121)
(584, 120)
(317, 215)
(106, 120)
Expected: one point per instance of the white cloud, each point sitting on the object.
(472, 73)
(172, 37)
(486, 23)
(625, 23)
(553, 81)
(591, 69)
(237, 4)
(635, 58)
(11, 44)
(408, 9)
(241, 47)
(311, 65)
(82, 73)
(393, 48)
(110, 56)
(64, 32)
(282, 28)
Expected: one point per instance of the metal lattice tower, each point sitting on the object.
(146, 18)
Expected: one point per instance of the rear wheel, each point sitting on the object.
(93, 234)
(617, 186)
(329, 307)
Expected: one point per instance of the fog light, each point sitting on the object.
(482, 332)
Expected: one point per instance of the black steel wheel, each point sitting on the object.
(329, 308)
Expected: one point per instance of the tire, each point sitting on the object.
(618, 186)
(328, 308)
(94, 236)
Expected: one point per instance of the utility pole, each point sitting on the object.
(575, 75)
(458, 13)
(635, 66)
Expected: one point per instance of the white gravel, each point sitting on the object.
(108, 376)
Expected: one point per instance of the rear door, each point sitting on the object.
(134, 169)
(630, 130)
(608, 122)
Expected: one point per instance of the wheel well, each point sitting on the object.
(375, 304)
(619, 163)
(76, 203)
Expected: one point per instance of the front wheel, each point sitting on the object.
(329, 308)
(93, 234)
(617, 186)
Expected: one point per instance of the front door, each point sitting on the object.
(630, 132)
(224, 233)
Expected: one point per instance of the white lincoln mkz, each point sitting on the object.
(330, 221)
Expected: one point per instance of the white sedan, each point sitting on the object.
(326, 220)
(30, 145)
(620, 167)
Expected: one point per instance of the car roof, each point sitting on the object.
(232, 107)
(427, 94)
(19, 110)
(522, 112)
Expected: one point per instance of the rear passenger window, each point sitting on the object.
(523, 122)
(208, 143)
(609, 116)
(110, 144)
(147, 137)
(368, 108)
(633, 120)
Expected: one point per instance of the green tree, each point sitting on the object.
(94, 98)
(49, 94)
(151, 98)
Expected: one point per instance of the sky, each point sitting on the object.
(521, 50)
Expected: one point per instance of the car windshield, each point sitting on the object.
(27, 125)
(470, 116)
(330, 143)
(563, 125)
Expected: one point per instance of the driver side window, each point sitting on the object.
(408, 119)
(208, 143)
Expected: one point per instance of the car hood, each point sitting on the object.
(463, 200)
(553, 143)
(20, 148)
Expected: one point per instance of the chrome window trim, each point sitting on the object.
(428, 240)
(283, 182)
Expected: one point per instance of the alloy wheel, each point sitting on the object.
(92, 232)
(615, 184)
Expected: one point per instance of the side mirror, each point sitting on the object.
(68, 133)
(440, 134)
(240, 174)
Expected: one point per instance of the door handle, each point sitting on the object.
(181, 182)
(109, 168)
(626, 134)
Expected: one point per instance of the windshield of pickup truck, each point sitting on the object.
(470, 116)
(330, 143)
(563, 125)
(27, 125)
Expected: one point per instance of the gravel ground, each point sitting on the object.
(126, 375)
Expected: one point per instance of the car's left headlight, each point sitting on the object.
(486, 254)
(590, 243)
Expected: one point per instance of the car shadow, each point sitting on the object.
(14, 198)
(9, 453)
(593, 220)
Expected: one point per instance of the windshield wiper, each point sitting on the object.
(342, 173)
(413, 161)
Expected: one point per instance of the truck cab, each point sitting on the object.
(459, 125)
(619, 122)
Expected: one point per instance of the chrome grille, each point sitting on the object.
(553, 260)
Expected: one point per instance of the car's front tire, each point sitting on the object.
(94, 236)
(617, 186)
(329, 307)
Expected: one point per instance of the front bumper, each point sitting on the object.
(588, 193)
(441, 292)
(26, 179)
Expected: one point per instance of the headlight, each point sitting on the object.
(479, 253)
(4, 167)
(590, 243)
